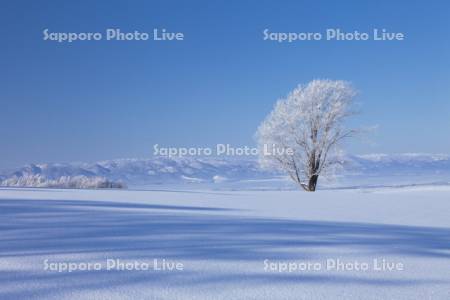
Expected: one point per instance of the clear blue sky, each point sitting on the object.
(88, 101)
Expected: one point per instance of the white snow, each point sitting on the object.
(222, 238)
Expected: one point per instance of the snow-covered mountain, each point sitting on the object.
(399, 163)
(140, 172)
(395, 170)
(367, 170)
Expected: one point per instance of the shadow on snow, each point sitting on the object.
(144, 231)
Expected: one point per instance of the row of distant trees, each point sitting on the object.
(75, 182)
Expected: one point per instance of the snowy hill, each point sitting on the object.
(139, 172)
(361, 170)
(396, 170)
(400, 163)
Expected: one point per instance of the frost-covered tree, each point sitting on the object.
(302, 134)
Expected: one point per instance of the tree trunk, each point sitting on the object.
(312, 183)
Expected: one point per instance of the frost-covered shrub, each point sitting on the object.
(76, 182)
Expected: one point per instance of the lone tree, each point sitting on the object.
(301, 133)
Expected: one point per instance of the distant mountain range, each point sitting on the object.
(359, 170)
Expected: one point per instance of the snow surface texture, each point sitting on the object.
(229, 173)
(222, 239)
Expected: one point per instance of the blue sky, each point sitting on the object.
(88, 101)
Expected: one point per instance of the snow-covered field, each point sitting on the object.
(224, 241)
